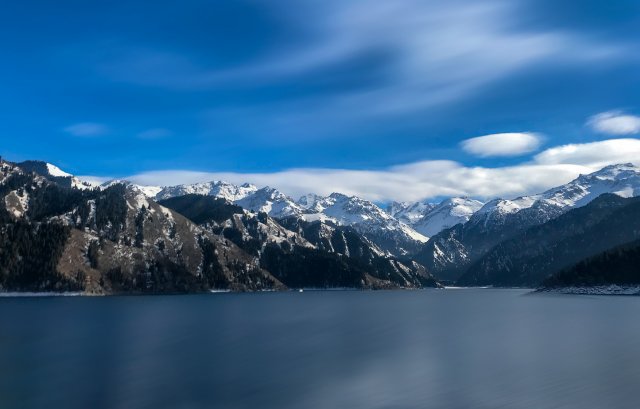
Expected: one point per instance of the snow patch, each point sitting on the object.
(57, 172)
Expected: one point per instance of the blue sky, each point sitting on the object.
(255, 90)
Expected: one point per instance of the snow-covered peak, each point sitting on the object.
(429, 218)
(410, 213)
(309, 200)
(54, 173)
(349, 210)
(447, 214)
(57, 172)
(615, 172)
(270, 201)
(364, 216)
(622, 180)
(148, 191)
(216, 188)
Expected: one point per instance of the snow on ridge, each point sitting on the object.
(149, 191)
(410, 212)
(447, 214)
(216, 188)
(57, 172)
(429, 219)
(418, 220)
(622, 180)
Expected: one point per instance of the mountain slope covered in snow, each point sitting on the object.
(449, 253)
(430, 219)
(365, 217)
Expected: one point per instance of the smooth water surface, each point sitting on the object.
(335, 349)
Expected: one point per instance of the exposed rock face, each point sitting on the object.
(450, 253)
(109, 241)
(303, 254)
(531, 256)
(115, 239)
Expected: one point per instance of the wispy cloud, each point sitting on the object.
(428, 179)
(615, 123)
(502, 144)
(437, 52)
(87, 129)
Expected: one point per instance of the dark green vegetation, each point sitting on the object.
(534, 254)
(202, 209)
(620, 266)
(55, 237)
(31, 246)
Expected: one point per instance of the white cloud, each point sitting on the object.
(593, 155)
(428, 179)
(615, 123)
(438, 51)
(86, 129)
(502, 144)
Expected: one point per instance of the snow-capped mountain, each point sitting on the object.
(430, 219)
(220, 189)
(447, 214)
(364, 216)
(450, 252)
(410, 213)
(117, 240)
(297, 252)
(148, 191)
(271, 201)
(622, 180)
(380, 227)
(54, 173)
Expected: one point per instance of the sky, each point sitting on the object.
(402, 100)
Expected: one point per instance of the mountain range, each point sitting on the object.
(59, 236)
(123, 237)
(451, 252)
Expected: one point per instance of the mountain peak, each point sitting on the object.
(216, 188)
(446, 214)
(56, 171)
(615, 172)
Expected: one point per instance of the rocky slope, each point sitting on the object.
(449, 253)
(300, 253)
(114, 240)
(534, 254)
(375, 224)
(389, 234)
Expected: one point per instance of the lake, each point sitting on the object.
(467, 348)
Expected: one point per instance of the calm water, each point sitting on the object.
(402, 349)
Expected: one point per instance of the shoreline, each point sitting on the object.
(12, 294)
(32, 294)
(612, 289)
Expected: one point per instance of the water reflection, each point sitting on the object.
(425, 349)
